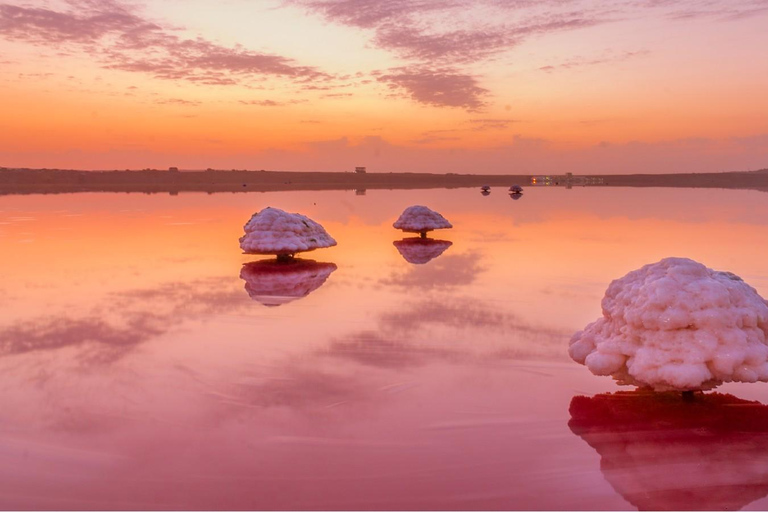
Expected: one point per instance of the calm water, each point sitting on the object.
(143, 366)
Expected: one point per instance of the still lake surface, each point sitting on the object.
(144, 366)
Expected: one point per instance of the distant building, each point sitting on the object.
(173, 169)
(360, 170)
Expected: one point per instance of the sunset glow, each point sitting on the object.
(487, 86)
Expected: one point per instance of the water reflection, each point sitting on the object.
(421, 250)
(274, 283)
(448, 272)
(663, 453)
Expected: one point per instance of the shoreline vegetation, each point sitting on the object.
(58, 181)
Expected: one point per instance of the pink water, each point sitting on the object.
(143, 367)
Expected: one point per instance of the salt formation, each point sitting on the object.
(661, 452)
(420, 219)
(421, 250)
(273, 231)
(677, 325)
(274, 283)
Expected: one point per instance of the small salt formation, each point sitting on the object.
(420, 219)
(421, 250)
(677, 325)
(273, 231)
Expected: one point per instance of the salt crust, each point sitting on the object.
(420, 219)
(677, 325)
(273, 231)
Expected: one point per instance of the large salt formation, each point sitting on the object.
(677, 325)
(420, 219)
(273, 231)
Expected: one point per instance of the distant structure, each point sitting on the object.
(360, 170)
(173, 169)
(568, 180)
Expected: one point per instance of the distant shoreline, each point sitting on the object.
(54, 181)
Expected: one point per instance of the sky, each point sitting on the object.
(485, 86)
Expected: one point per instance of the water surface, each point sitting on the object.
(144, 366)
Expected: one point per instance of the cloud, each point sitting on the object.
(371, 13)
(270, 103)
(461, 46)
(121, 39)
(441, 87)
(47, 26)
(180, 102)
(481, 125)
(578, 62)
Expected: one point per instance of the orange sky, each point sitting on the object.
(439, 85)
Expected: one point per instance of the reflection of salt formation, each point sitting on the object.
(274, 283)
(420, 219)
(273, 231)
(677, 324)
(421, 250)
(663, 453)
(515, 196)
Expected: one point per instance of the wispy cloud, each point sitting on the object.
(579, 62)
(179, 102)
(482, 125)
(120, 38)
(371, 13)
(270, 103)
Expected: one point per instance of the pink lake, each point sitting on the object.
(143, 366)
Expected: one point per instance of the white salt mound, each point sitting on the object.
(677, 325)
(420, 219)
(273, 231)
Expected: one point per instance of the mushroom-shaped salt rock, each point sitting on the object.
(421, 250)
(515, 189)
(420, 219)
(677, 325)
(273, 231)
(274, 283)
(661, 452)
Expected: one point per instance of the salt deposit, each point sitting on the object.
(420, 219)
(273, 231)
(677, 325)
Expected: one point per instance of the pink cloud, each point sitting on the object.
(121, 39)
(442, 87)
(370, 13)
